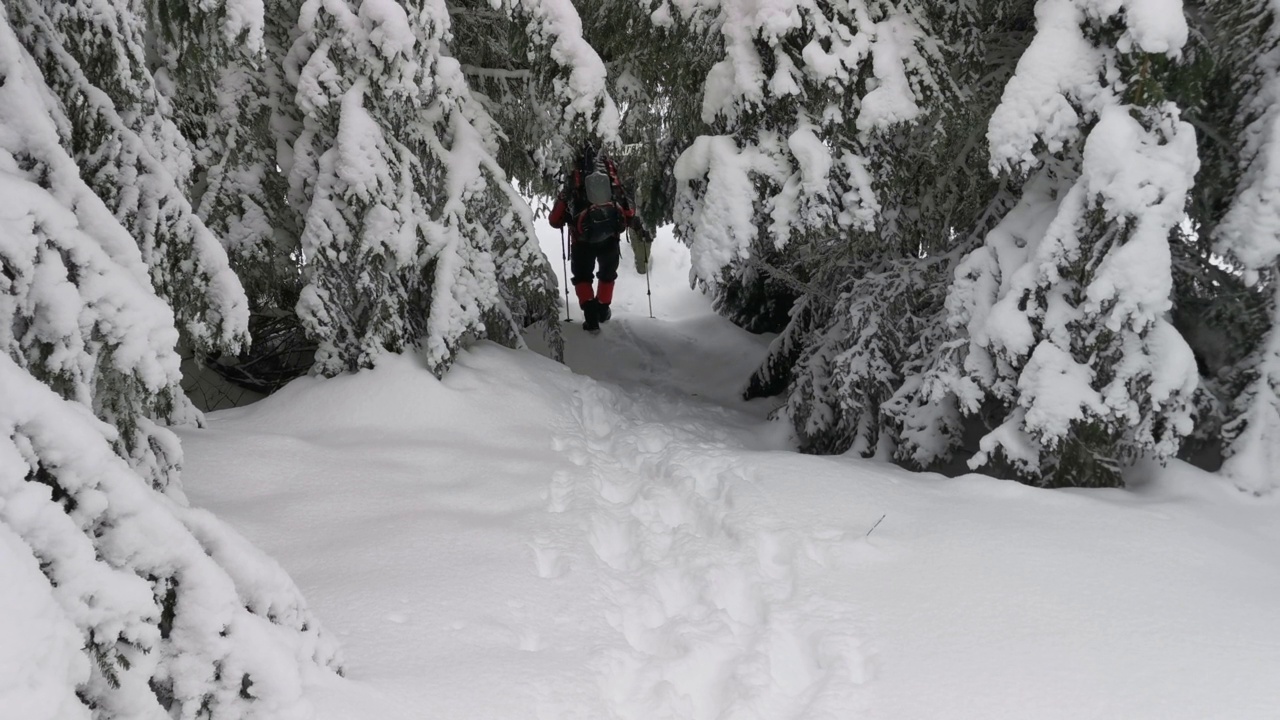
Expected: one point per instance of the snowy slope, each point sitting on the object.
(631, 541)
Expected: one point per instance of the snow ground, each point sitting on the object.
(624, 538)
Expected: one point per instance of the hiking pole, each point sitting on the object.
(564, 262)
(648, 289)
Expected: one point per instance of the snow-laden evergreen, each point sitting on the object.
(129, 151)
(538, 72)
(788, 168)
(148, 609)
(791, 159)
(579, 75)
(1254, 429)
(1248, 234)
(81, 315)
(222, 74)
(850, 171)
(1065, 305)
(866, 256)
(121, 601)
(413, 232)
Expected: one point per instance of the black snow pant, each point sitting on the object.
(585, 256)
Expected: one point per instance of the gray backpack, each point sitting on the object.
(600, 210)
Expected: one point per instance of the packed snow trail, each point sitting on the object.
(631, 540)
(703, 589)
(708, 593)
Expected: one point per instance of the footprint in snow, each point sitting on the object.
(548, 560)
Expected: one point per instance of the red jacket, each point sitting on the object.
(559, 212)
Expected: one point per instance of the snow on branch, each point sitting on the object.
(503, 73)
(159, 625)
(413, 235)
(1250, 230)
(844, 42)
(1078, 320)
(583, 86)
(1062, 79)
(1253, 451)
(138, 168)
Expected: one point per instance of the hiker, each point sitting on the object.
(596, 208)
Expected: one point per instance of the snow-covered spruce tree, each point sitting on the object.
(222, 73)
(795, 99)
(866, 381)
(120, 601)
(507, 76)
(1240, 211)
(780, 162)
(1219, 316)
(92, 56)
(1253, 431)
(222, 68)
(659, 62)
(1065, 305)
(861, 226)
(947, 200)
(413, 232)
(536, 67)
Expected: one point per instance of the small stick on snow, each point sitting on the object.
(873, 527)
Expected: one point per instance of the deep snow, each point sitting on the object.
(625, 538)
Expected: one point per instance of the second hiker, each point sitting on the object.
(597, 211)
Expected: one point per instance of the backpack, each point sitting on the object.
(600, 203)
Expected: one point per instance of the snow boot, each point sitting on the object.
(590, 320)
(604, 296)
